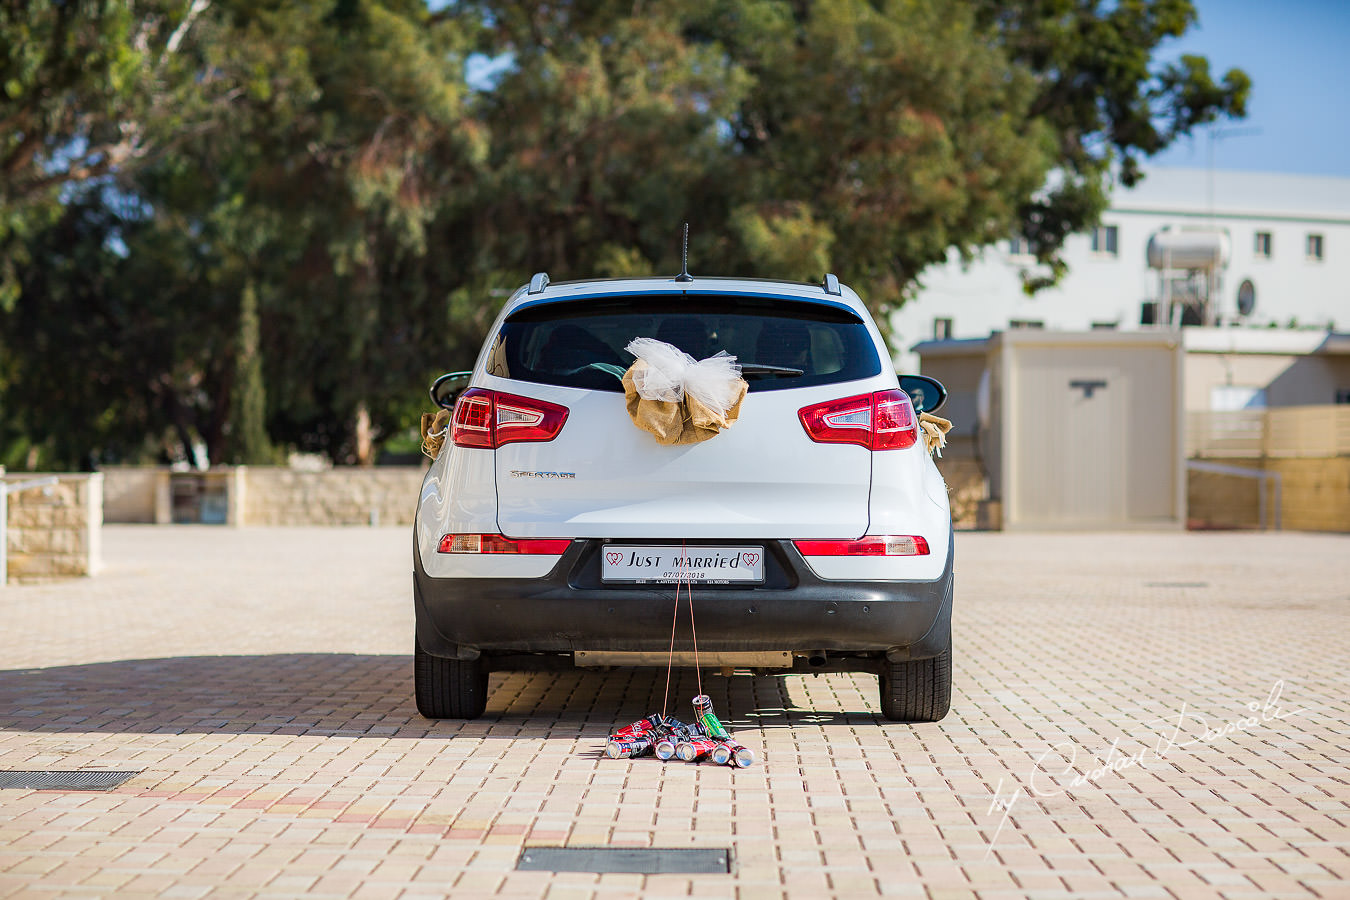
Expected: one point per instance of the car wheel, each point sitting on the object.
(918, 690)
(449, 688)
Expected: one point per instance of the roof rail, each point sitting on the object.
(538, 282)
(832, 285)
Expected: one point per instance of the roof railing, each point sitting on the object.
(538, 282)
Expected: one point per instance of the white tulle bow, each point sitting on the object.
(670, 373)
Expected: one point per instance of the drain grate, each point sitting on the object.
(642, 860)
(77, 780)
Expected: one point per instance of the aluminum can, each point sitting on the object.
(665, 748)
(730, 753)
(692, 750)
(622, 748)
(704, 715)
(640, 727)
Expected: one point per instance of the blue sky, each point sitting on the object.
(1297, 53)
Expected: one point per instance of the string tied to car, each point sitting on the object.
(666, 737)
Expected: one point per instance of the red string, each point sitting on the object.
(670, 660)
(689, 592)
(686, 579)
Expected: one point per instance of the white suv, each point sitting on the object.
(552, 532)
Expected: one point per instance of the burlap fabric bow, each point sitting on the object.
(674, 422)
(435, 426)
(935, 430)
(678, 400)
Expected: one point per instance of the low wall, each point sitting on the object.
(382, 495)
(1315, 495)
(966, 488)
(54, 532)
(264, 495)
(135, 494)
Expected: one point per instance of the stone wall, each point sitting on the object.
(382, 495)
(966, 488)
(136, 494)
(264, 495)
(54, 532)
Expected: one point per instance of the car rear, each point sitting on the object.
(813, 534)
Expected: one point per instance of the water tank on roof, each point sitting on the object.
(1188, 249)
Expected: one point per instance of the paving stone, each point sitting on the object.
(1107, 737)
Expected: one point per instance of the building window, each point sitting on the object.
(1262, 248)
(1232, 397)
(1026, 323)
(1019, 246)
(1314, 247)
(942, 329)
(1104, 240)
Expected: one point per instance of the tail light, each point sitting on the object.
(883, 420)
(870, 545)
(496, 543)
(491, 419)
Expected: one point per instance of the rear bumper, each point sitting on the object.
(570, 610)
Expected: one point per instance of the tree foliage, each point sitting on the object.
(241, 224)
(1104, 101)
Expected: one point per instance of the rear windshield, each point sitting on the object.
(779, 343)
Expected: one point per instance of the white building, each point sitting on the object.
(1242, 250)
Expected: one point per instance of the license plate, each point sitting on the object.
(647, 564)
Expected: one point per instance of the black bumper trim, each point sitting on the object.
(568, 610)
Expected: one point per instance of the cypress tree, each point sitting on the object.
(248, 440)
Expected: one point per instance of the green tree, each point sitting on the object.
(1106, 102)
(262, 223)
(88, 88)
(106, 341)
(869, 138)
(877, 137)
(335, 136)
(607, 132)
(345, 139)
(247, 440)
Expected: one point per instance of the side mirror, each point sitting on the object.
(446, 390)
(927, 394)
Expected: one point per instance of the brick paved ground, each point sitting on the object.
(261, 679)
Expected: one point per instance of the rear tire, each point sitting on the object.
(449, 688)
(917, 690)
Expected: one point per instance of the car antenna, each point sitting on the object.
(684, 275)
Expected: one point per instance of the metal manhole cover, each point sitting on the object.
(77, 780)
(642, 860)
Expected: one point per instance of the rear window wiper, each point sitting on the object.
(771, 371)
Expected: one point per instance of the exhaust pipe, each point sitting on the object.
(815, 659)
